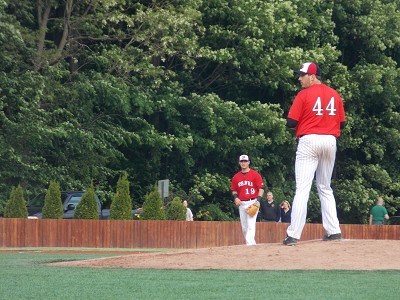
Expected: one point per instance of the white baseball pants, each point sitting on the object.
(248, 223)
(315, 156)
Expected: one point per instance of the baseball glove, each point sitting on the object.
(253, 209)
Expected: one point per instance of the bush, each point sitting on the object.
(176, 210)
(212, 212)
(87, 207)
(52, 208)
(153, 208)
(121, 207)
(16, 205)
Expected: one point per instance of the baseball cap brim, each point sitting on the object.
(299, 72)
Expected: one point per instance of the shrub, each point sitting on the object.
(16, 205)
(176, 210)
(87, 207)
(121, 206)
(52, 208)
(212, 212)
(153, 206)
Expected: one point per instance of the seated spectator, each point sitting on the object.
(378, 213)
(269, 210)
(285, 212)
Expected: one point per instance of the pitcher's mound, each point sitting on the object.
(308, 255)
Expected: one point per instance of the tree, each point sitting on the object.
(367, 160)
(16, 205)
(52, 208)
(153, 208)
(176, 210)
(92, 89)
(121, 206)
(87, 208)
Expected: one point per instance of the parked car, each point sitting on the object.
(69, 202)
(137, 213)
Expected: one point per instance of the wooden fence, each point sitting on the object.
(160, 234)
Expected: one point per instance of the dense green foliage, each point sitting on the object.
(121, 206)
(179, 89)
(52, 208)
(212, 212)
(87, 208)
(176, 210)
(153, 207)
(16, 205)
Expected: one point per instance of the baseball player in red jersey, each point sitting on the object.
(317, 114)
(247, 187)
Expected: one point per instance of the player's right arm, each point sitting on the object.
(295, 112)
(235, 197)
(370, 219)
(290, 123)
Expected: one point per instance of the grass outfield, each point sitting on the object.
(23, 276)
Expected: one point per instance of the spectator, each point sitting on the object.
(269, 210)
(189, 214)
(285, 212)
(378, 213)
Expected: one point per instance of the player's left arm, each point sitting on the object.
(342, 116)
(260, 194)
(260, 185)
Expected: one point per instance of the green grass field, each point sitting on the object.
(24, 276)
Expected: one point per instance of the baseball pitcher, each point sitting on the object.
(317, 114)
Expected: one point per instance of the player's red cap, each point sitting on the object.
(309, 68)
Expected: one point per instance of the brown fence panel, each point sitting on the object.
(161, 234)
(270, 232)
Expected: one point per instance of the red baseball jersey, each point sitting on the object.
(247, 184)
(318, 110)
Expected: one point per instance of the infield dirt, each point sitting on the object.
(308, 255)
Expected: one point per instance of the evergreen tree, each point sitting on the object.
(153, 208)
(52, 208)
(176, 210)
(87, 207)
(16, 205)
(121, 206)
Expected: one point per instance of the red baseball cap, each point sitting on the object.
(309, 68)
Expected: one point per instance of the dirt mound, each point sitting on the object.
(309, 255)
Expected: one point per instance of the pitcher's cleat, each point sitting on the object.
(332, 237)
(289, 241)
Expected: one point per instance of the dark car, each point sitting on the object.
(69, 202)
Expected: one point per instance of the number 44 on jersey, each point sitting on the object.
(330, 107)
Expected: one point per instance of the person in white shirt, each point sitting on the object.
(189, 214)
